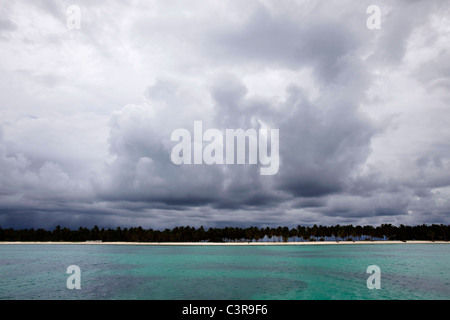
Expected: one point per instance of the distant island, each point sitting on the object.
(316, 234)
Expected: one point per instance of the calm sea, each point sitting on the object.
(407, 271)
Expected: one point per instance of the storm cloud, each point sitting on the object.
(86, 115)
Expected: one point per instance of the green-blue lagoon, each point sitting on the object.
(309, 272)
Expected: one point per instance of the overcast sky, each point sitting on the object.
(86, 115)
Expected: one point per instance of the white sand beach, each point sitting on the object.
(228, 243)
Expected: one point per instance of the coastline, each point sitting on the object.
(224, 243)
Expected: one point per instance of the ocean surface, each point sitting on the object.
(407, 271)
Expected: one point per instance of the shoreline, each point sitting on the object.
(224, 243)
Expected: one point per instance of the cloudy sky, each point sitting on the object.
(86, 115)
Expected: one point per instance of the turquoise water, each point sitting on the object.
(408, 271)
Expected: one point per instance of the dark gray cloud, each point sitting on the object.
(87, 115)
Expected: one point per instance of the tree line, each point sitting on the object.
(434, 232)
